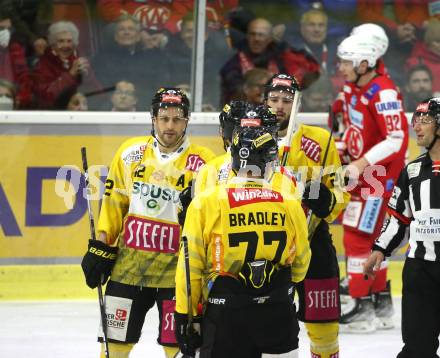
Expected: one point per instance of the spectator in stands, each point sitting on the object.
(124, 98)
(253, 86)
(260, 51)
(418, 86)
(60, 68)
(157, 18)
(71, 100)
(179, 50)
(313, 39)
(13, 65)
(126, 60)
(7, 95)
(428, 52)
(318, 97)
(403, 21)
(342, 14)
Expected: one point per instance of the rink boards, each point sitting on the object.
(44, 225)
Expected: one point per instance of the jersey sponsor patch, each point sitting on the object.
(413, 169)
(150, 235)
(117, 311)
(133, 154)
(223, 173)
(352, 214)
(194, 162)
(244, 196)
(322, 299)
(370, 214)
(372, 91)
(390, 106)
(311, 148)
(168, 326)
(356, 117)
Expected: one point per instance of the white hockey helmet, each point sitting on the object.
(375, 33)
(358, 48)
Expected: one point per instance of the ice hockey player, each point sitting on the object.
(306, 157)
(247, 245)
(138, 225)
(376, 138)
(414, 209)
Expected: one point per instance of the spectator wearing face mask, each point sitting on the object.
(13, 66)
(7, 95)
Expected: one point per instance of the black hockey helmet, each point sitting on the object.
(281, 82)
(230, 117)
(253, 147)
(170, 96)
(429, 108)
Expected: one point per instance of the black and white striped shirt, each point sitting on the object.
(415, 203)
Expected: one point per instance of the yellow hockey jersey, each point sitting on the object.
(237, 222)
(305, 159)
(140, 206)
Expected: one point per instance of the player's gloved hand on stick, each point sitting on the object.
(318, 198)
(185, 199)
(187, 339)
(98, 262)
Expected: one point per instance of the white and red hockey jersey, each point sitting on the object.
(376, 129)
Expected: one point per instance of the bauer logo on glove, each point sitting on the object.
(98, 262)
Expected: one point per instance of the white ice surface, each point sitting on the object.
(67, 329)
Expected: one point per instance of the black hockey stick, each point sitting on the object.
(93, 235)
(189, 327)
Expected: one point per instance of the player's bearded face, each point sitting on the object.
(170, 124)
(281, 102)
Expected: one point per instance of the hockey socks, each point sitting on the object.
(117, 350)
(323, 339)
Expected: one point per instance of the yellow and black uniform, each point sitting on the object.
(306, 156)
(227, 227)
(139, 216)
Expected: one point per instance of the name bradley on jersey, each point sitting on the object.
(257, 218)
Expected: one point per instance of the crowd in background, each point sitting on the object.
(113, 54)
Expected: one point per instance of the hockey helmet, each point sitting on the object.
(230, 117)
(253, 147)
(429, 107)
(358, 48)
(170, 97)
(375, 34)
(281, 82)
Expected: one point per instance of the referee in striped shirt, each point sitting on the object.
(414, 210)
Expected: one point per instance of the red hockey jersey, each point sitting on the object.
(377, 129)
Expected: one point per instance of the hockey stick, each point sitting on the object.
(189, 327)
(93, 235)
(291, 127)
(309, 214)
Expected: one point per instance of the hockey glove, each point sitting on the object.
(188, 338)
(185, 199)
(98, 262)
(322, 202)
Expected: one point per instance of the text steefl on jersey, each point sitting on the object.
(140, 206)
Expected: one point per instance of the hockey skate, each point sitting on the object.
(359, 318)
(383, 307)
(343, 291)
